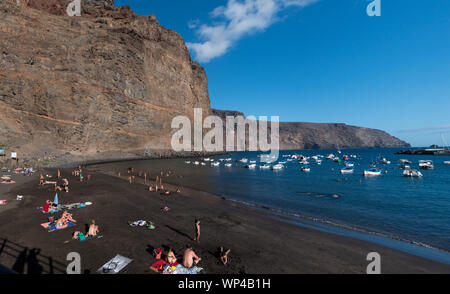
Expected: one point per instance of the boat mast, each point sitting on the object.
(444, 142)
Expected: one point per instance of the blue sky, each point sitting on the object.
(322, 61)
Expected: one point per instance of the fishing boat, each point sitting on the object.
(251, 166)
(350, 164)
(372, 172)
(306, 169)
(277, 167)
(412, 173)
(347, 170)
(426, 164)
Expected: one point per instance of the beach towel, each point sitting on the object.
(2, 202)
(181, 270)
(66, 207)
(90, 238)
(52, 228)
(115, 265)
(142, 223)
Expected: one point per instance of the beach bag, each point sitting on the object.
(157, 253)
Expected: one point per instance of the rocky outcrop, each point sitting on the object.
(106, 82)
(303, 135)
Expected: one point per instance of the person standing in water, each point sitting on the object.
(197, 230)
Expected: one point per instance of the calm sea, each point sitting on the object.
(413, 210)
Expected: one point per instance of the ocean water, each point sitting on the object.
(414, 210)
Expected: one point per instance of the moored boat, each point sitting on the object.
(372, 172)
(426, 164)
(412, 173)
(347, 170)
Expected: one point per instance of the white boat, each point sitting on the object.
(228, 164)
(196, 162)
(206, 159)
(426, 164)
(372, 172)
(306, 169)
(215, 163)
(203, 163)
(350, 164)
(277, 167)
(265, 166)
(187, 162)
(347, 170)
(244, 160)
(404, 166)
(251, 166)
(447, 162)
(412, 173)
(404, 161)
(252, 161)
(319, 161)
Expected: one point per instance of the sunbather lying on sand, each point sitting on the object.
(93, 229)
(62, 222)
(190, 258)
(49, 206)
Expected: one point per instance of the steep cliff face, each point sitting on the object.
(107, 85)
(302, 135)
(108, 81)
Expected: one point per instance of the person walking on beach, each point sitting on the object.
(224, 256)
(41, 179)
(190, 258)
(59, 174)
(197, 230)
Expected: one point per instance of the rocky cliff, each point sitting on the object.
(106, 82)
(303, 135)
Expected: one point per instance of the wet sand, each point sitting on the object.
(258, 243)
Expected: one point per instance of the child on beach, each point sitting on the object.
(93, 229)
(197, 230)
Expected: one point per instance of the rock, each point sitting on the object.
(108, 81)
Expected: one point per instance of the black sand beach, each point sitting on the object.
(259, 244)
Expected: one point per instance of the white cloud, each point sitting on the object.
(236, 20)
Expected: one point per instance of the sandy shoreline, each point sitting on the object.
(259, 244)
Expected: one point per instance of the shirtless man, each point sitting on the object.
(224, 255)
(197, 230)
(190, 258)
(93, 229)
